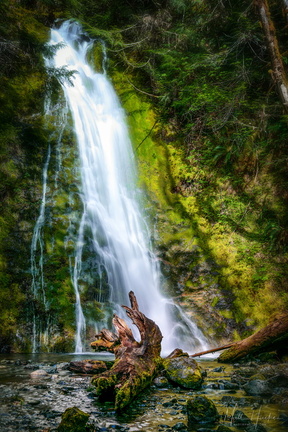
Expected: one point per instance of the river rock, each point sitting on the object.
(161, 382)
(183, 371)
(180, 427)
(231, 401)
(281, 398)
(223, 428)
(257, 387)
(64, 373)
(228, 385)
(73, 420)
(201, 410)
(241, 421)
(93, 367)
(39, 373)
(279, 381)
(283, 419)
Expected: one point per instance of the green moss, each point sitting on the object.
(105, 386)
(193, 209)
(63, 343)
(131, 388)
(123, 396)
(201, 410)
(97, 57)
(214, 301)
(73, 420)
(183, 371)
(258, 376)
(226, 313)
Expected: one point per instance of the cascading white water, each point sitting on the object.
(36, 258)
(111, 214)
(37, 253)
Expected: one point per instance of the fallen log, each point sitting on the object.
(87, 366)
(273, 337)
(136, 362)
(212, 350)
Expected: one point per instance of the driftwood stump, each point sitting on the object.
(136, 362)
(273, 337)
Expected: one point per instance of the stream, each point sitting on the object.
(36, 404)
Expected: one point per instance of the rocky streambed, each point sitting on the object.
(34, 393)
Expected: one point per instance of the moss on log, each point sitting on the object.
(272, 337)
(136, 362)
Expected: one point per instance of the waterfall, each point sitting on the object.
(111, 221)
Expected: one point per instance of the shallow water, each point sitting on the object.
(37, 404)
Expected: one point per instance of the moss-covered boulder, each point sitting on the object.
(201, 410)
(73, 420)
(184, 371)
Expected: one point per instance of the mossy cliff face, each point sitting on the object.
(22, 142)
(214, 164)
(224, 279)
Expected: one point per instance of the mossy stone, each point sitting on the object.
(73, 420)
(184, 371)
(201, 410)
(257, 376)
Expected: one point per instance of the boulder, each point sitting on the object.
(241, 421)
(73, 420)
(183, 371)
(201, 411)
(257, 387)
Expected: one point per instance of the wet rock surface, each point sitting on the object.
(73, 420)
(184, 371)
(201, 410)
(36, 401)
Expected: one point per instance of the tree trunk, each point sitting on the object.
(285, 9)
(136, 362)
(212, 350)
(278, 70)
(272, 337)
